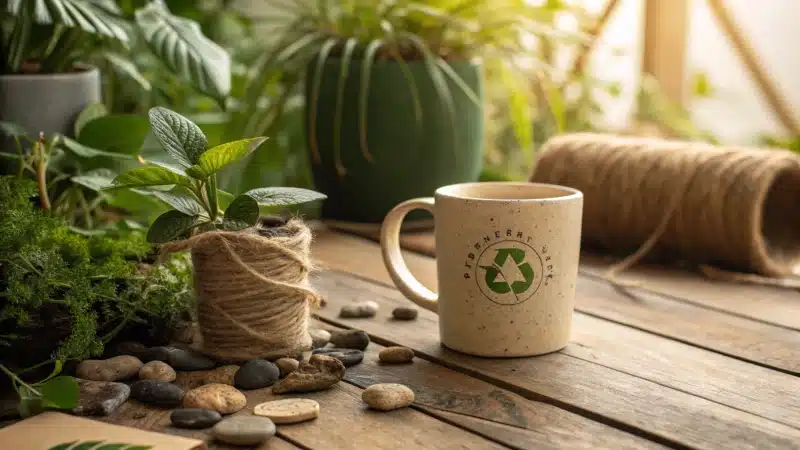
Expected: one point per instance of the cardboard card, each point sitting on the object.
(50, 430)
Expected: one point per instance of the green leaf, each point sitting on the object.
(64, 446)
(11, 129)
(96, 180)
(92, 16)
(702, 85)
(224, 199)
(347, 57)
(181, 199)
(181, 45)
(241, 214)
(284, 196)
(87, 445)
(149, 176)
(78, 149)
(30, 406)
(57, 366)
(215, 159)
(366, 78)
(126, 67)
(179, 136)
(60, 392)
(140, 447)
(113, 447)
(171, 225)
(119, 133)
(89, 113)
(322, 57)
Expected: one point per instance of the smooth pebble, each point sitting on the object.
(405, 313)
(348, 356)
(359, 310)
(319, 337)
(157, 370)
(387, 396)
(244, 430)
(319, 373)
(396, 355)
(256, 374)
(157, 393)
(100, 398)
(356, 339)
(222, 398)
(290, 410)
(194, 418)
(287, 365)
(111, 369)
(180, 359)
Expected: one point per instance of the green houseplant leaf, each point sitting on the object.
(284, 196)
(181, 199)
(179, 136)
(91, 16)
(149, 176)
(89, 113)
(241, 213)
(215, 159)
(180, 43)
(84, 151)
(171, 225)
(60, 392)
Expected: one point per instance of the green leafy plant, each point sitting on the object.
(309, 34)
(53, 392)
(51, 36)
(98, 445)
(186, 179)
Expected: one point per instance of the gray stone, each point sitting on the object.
(356, 339)
(348, 356)
(287, 365)
(387, 396)
(256, 374)
(396, 355)
(111, 369)
(319, 337)
(405, 313)
(320, 372)
(157, 393)
(100, 398)
(359, 310)
(180, 359)
(194, 418)
(244, 430)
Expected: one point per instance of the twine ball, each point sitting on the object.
(731, 207)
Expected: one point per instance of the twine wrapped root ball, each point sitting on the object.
(734, 208)
(253, 294)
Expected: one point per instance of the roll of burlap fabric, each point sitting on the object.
(724, 208)
(253, 294)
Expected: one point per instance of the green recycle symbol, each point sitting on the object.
(502, 286)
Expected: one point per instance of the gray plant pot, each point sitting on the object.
(48, 102)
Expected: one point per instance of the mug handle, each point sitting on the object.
(393, 258)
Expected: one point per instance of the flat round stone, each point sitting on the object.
(158, 393)
(396, 355)
(405, 313)
(348, 357)
(244, 430)
(194, 418)
(157, 370)
(290, 410)
(359, 310)
(256, 374)
(387, 396)
(111, 369)
(356, 339)
(100, 398)
(220, 397)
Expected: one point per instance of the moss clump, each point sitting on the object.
(64, 295)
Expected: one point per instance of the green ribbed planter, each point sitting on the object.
(409, 158)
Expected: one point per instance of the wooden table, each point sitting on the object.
(681, 362)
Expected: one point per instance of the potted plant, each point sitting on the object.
(393, 91)
(250, 277)
(52, 51)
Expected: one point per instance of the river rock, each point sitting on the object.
(356, 339)
(396, 355)
(319, 337)
(244, 430)
(194, 418)
(256, 374)
(112, 369)
(348, 356)
(197, 378)
(287, 365)
(290, 410)
(157, 370)
(319, 373)
(157, 393)
(181, 359)
(405, 313)
(387, 396)
(131, 348)
(100, 398)
(222, 398)
(359, 310)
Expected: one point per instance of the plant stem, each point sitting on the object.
(41, 172)
(211, 191)
(17, 379)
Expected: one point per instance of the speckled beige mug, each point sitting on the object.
(507, 262)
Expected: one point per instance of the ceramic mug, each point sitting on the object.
(507, 262)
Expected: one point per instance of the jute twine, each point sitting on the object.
(253, 294)
(731, 211)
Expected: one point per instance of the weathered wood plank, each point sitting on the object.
(729, 334)
(344, 423)
(502, 415)
(661, 413)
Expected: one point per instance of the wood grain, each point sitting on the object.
(502, 415)
(629, 402)
(344, 423)
(729, 334)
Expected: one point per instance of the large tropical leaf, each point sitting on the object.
(92, 16)
(181, 45)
